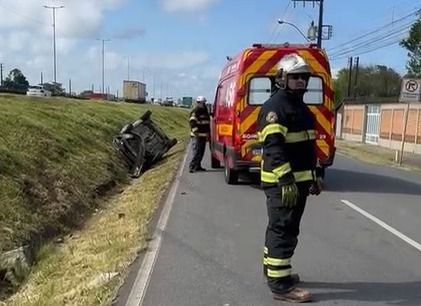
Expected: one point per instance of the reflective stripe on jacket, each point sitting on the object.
(199, 122)
(287, 133)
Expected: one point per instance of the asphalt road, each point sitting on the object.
(211, 251)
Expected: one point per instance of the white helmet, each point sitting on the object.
(291, 64)
(201, 99)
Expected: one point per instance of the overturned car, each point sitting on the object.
(141, 144)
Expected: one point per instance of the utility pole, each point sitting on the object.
(320, 25)
(103, 63)
(320, 28)
(42, 78)
(357, 63)
(350, 77)
(54, 8)
(70, 87)
(128, 68)
(153, 79)
(1, 74)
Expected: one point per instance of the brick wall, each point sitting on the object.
(353, 122)
(391, 129)
(393, 120)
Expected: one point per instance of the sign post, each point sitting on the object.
(405, 124)
(410, 91)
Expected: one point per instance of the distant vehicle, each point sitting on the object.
(169, 101)
(186, 102)
(38, 91)
(134, 91)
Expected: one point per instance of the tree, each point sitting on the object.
(16, 80)
(413, 45)
(373, 81)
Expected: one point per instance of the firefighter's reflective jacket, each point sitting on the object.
(287, 134)
(199, 122)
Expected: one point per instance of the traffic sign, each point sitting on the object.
(411, 90)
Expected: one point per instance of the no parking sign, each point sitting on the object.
(411, 90)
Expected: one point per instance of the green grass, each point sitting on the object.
(54, 154)
(108, 243)
(377, 155)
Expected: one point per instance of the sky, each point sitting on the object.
(178, 47)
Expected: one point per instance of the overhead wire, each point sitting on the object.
(278, 27)
(275, 26)
(371, 41)
(378, 26)
(380, 29)
(387, 41)
(386, 44)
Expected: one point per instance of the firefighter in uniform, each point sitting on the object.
(200, 129)
(288, 173)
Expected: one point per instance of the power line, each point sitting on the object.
(387, 43)
(372, 40)
(320, 17)
(276, 28)
(378, 39)
(413, 13)
(368, 51)
(380, 45)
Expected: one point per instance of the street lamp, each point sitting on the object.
(54, 8)
(295, 27)
(103, 63)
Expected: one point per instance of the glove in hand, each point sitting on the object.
(289, 195)
(316, 186)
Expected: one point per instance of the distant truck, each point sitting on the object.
(187, 102)
(169, 101)
(134, 91)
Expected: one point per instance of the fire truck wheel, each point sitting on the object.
(231, 175)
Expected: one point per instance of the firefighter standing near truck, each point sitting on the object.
(200, 130)
(288, 173)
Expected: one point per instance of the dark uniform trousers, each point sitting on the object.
(198, 147)
(282, 237)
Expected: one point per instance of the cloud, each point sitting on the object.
(187, 5)
(27, 44)
(171, 61)
(129, 33)
(78, 18)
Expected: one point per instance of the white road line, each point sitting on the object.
(395, 232)
(138, 291)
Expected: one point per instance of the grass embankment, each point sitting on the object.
(378, 155)
(54, 157)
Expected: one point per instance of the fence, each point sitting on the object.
(386, 125)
